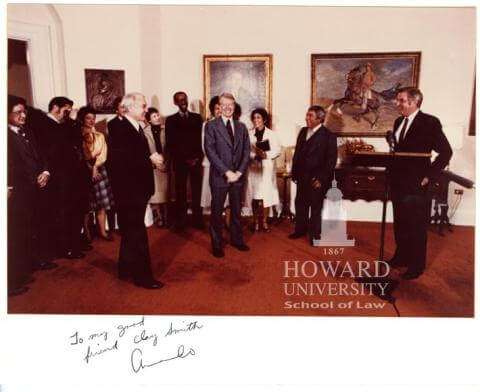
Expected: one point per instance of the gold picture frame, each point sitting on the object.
(247, 77)
(359, 89)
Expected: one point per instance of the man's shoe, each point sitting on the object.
(410, 275)
(45, 265)
(241, 247)
(17, 291)
(217, 252)
(150, 284)
(71, 254)
(295, 236)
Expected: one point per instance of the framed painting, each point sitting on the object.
(103, 86)
(359, 90)
(247, 77)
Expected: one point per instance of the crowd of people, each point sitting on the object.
(69, 183)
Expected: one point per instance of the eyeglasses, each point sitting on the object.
(18, 112)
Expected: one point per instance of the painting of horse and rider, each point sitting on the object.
(359, 90)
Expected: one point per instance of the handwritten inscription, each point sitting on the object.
(136, 358)
(104, 343)
(188, 328)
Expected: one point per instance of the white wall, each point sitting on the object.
(445, 36)
(161, 49)
(100, 36)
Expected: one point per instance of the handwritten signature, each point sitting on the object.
(136, 358)
(189, 327)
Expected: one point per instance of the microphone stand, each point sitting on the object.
(391, 157)
(392, 284)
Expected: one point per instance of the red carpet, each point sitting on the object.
(251, 283)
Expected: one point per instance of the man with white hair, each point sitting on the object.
(131, 173)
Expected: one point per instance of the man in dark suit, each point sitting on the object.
(131, 173)
(116, 121)
(28, 175)
(414, 131)
(313, 166)
(183, 146)
(112, 127)
(67, 202)
(227, 147)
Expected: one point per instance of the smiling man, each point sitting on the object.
(183, 145)
(313, 165)
(227, 147)
(130, 167)
(414, 131)
(27, 178)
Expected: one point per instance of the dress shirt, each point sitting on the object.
(311, 132)
(53, 118)
(15, 129)
(225, 119)
(134, 122)
(410, 120)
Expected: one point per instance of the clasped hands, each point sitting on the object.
(232, 176)
(158, 161)
(42, 179)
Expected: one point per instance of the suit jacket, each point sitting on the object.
(424, 135)
(60, 145)
(114, 124)
(224, 156)
(315, 157)
(183, 139)
(129, 167)
(24, 161)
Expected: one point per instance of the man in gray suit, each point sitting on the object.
(227, 147)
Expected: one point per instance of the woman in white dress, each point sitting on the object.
(262, 179)
(156, 143)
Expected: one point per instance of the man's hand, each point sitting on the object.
(162, 167)
(424, 181)
(73, 113)
(156, 159)
(238, 174)
(316, 184)
(42, 179)
(231, 176)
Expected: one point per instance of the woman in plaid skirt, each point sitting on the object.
(95, 152)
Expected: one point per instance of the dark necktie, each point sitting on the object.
(230, 130)
(140, 131)
(402, 132)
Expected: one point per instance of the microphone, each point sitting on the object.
(390, 140)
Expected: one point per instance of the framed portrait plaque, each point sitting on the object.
(247, 77)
